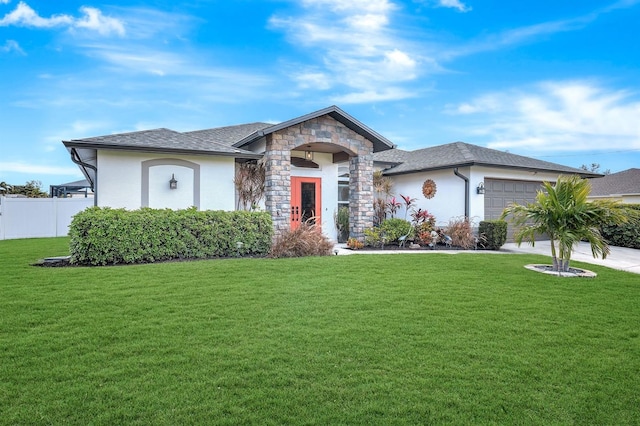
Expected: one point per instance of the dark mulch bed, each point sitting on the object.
(408, 247)
(65, 261)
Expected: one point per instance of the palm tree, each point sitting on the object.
(564, 214)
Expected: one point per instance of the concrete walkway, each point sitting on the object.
(620, 258)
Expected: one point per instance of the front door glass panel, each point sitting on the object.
(308, 200)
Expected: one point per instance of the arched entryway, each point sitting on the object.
(339, 139)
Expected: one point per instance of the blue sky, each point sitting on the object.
(554, 80)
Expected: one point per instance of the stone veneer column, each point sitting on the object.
(360, 193)
(277, 159)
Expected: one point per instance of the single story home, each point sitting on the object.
(313, 163)
(623, 186)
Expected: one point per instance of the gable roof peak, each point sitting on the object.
(380, 143)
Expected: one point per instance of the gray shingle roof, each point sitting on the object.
(159, 140)
(230, 134)
(459, 154)
(626, 182)
(228, 140)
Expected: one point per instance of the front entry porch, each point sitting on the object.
(306, 200)
(334, 137)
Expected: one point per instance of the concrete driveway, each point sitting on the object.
(624, 259)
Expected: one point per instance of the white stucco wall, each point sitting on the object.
(161, 196)
(448, 202)
(328, 172)
(120, 181)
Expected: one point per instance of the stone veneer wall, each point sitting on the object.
(360, 195)
(323, 129)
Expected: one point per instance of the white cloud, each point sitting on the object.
(313, 80)
(368, 22)
(455, 4)
(557, 116)
(357, 49)
(25, 16)
(400, 64)
(4, 1)
(138, 60)
(152, 24)
(93, 19)
(386, 94)
(12, 45)
(366, 6)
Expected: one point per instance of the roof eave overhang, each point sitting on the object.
(243, 154)
(498, 166)
(390, 172)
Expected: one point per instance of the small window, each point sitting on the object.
(343, 192)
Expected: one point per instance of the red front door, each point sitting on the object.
(305, 200)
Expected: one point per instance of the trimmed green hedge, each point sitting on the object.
(493, 233)
(105, 236)
(626, 234)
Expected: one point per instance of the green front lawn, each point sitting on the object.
(366, 339)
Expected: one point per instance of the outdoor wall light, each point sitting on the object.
(308, 155)
(480, 188)
(173, 183)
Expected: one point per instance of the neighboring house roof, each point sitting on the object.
(380, 143)
(461, 154)
(626, 182)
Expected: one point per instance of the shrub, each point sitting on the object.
(105, 236)
(372, 237)
(392, 229)
(626, 234)
(461, 232)
(306, 240)
(354, 244)
(423, 232)
(493, 233)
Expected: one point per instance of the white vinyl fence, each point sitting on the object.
(38, 217)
